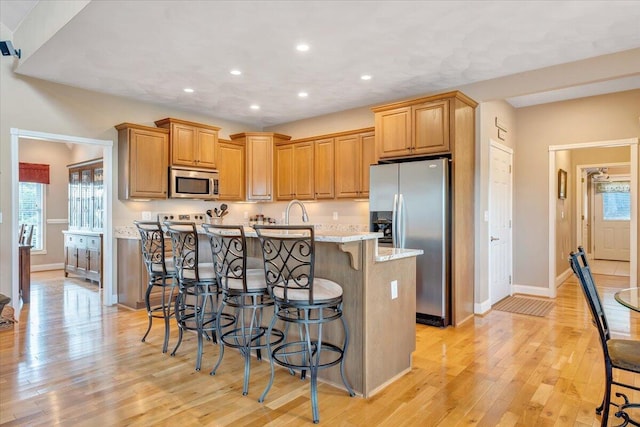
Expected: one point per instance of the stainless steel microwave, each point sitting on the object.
(193, 183)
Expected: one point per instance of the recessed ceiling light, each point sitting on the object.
(255, 107)
(302, 47)
(188, 90)
(235, 72)
(303, 94)
(365, 77)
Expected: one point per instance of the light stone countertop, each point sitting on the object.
(388, 254)
(322, 235)
(330, 235)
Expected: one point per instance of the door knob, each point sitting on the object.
(494, 238)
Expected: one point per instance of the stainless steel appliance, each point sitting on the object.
(412, 200)
(191, 183)
(197, 218)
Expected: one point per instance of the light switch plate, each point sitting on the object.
(335, 216)
(394, 289)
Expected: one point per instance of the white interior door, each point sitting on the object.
(500, 206)
(611, 226)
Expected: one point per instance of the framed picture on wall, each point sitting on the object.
(562, 184)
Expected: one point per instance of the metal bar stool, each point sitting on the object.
(245, 291)
(197, 301)
(303, 300)
(161, 275)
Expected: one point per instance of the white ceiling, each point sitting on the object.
(151, 50)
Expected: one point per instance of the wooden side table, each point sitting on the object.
(24, 277)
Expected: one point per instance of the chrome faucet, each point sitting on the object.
(305, 217)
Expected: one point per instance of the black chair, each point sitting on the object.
(161, 276)
(245, 291)
(197, 301)
(303, 300)
(618, 354)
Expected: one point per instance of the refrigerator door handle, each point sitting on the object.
(394, 220)
(401, 225)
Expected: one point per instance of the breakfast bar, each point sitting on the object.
(379, 301)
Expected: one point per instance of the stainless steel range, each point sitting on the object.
(197, 218)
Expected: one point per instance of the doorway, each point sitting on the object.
(500, 214)
(109, 297)
(632, 143)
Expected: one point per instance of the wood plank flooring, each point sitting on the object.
(71, 361)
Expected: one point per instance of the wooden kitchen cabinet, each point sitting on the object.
(259, 162)
(231, 169)
(294, 166)
(143, 160)
(413, 130)
(354, 154)
(191, 144)
(83, 255)
(324, 168)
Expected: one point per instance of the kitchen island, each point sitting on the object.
(380, 315)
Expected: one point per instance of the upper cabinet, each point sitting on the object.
(86, 184)
(324, 168)
(191, 144)
(354, 153)
(294, 167)
(259, 164)
(413, 128)
(143, 160)
(231, 169)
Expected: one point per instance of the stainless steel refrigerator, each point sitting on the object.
(412, 201)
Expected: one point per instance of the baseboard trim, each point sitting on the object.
(47, 267)
(531, 290)
(482, 307)
(563, 276)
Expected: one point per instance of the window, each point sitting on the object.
(616, 206)
(31, 210)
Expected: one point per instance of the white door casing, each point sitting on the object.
(500, 214)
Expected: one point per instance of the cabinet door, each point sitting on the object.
(75, 207)
(70, 254)
(98, 193)
(183, 145)
(323, 168)
(393, 132)
(231, 161)
(348, 155)
(86, 198)
(431, 128)
(83, 255)
(368, 150)
(259, 167)
(284, 172)
(148, 161)
(303, 170)
(206, 148)
(94, 258)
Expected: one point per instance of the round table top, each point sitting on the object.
(629, 298)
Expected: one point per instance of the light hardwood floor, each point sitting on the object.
(71, 361)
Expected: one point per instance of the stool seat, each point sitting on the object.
(254, 279)
(324, 290)
(204, 272)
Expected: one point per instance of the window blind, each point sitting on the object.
(34, 172)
